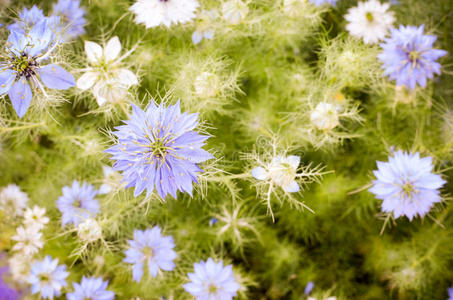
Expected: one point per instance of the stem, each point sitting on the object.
(7, 129)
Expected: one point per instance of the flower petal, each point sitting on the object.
(20, 95)
(259, 173)
(126, 77)
(94, 52)
(7, 77)
(87, 80)
(55, 77)
(112, 49)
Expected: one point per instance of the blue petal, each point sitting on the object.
(7, 77)
(55, 77)
(20, 95)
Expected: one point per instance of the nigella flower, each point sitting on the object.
(159, 148)
(205, 26)
(47, 277)
(450, 293)
(28, 240)
(407, 185)
(12, 200)
(77, 203)
(150, 248)
(325, 116)
(369, 20)
(27, 19)
(408, 56)
(212, 281)
(24, 70)
(71, 18)
(322, 2)
(93, 288)
(35, 218)
(153, 13)
(234, 11)
(281, 171)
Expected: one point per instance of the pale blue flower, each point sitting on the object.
(309, 287)
(72, 20)
(159, 148)
(322, 2)
(77, 203)
(409, 58)
(450, 293)
(93, 288)
(7, 292)
(47, 278)
(24, 67)
(407, 185)
(150, 248)
(27, 19)
(212, 280)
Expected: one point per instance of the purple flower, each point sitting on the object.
(47, 277)
(407, 185)
(159, 147)
(23, 70)
(72, 20)
(151, 248)
(408, 56)
(450, 293)
(310, 285)
(77, 203)
(321, 2)
(7, 292)
(27, 19)
(91, 288)
(212, 281)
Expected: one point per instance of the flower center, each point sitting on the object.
(414, 56)
(408, 189)
(44, 278)
(369, 16)
(24, 65)
(77, 203)
(147, 252)
(159, 148)
(212, 289)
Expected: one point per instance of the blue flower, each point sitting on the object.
(310, 285)
(72, 20)
(47, 277)
(91, 288)
(321, 2)
(27, 19)
(159, 148)
(450, 293)
(7, 292)
(407, 185)
(408, 56)
(151, 248)
(77, 203)
(212, 281)
(24, 68)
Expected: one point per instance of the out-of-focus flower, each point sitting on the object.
(7, 292)
(153, 13)
(450, 293)
(12, 200)
(325, 116)
(111, 182)
(159, 148)
(91, 288)
(370, 21)
(106, 76)
(310, 285)
(212, 280)
(152, 249)
(281, 171)
(71, 18)
(322, 2)
(204, 29)
(89, 231)
(47, 278)
(28, 240)
(35, 217)
(27, 19)
(206, 85)
(407, 185)
(408, 56)
(77, 203)
(234, 11)
(19, 266)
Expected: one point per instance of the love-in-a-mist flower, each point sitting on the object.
(35, 217)
(153, 13)
(71, 18)
(212, 280)
(93, 288)
(89, 231)
(450, 293)
(234, 11)
(322, 2)
(281, 171)
(77, 203)
(24, 68)
(149, 248)
(12, 200)
(408, 56)
(205, 28)
(325, 116)
(158, 148)
(106, 76)
(369, 21)
(19, 267)
(47, 277)
(407, 185)
(27, 19)
(28, 240)
(111, 180)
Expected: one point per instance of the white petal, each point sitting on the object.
(112, 49)
(291, 187)
(94, 52)
(87, 80)
(126, 77)
(259, 173)
(99, 92)
(293, 161)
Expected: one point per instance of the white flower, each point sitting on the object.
(89, 231)
(153, 13)
(325, 116)
(19, 267)
(204, 26)
(281, 171)
(206, 85)
(28, 240)
(35, 217)
(13, 200)
(106, 77)
(234, 11)
(370, 21)
(112, 180)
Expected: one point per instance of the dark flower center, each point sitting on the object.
(24, 65)
(414, 56)
(44, 277)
